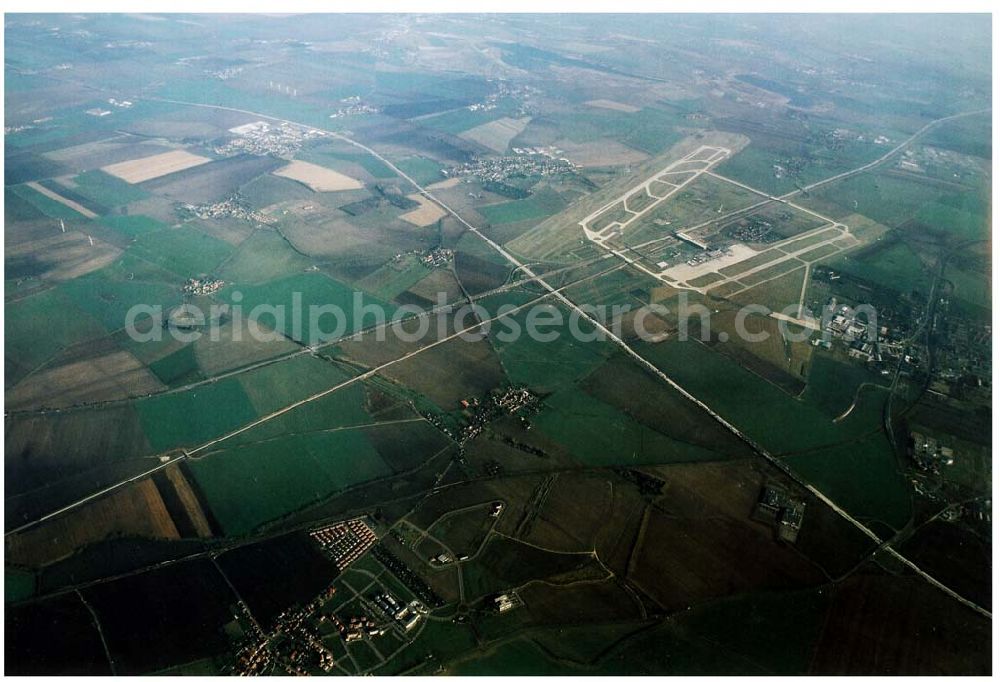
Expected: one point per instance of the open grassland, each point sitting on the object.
(831, 460)
(539, 205)
(158, 165)
(195, 416)
(834, 382)
(312, 289)
(185, 250)
(252, 484)
(887, 199)
(107, 298)
(891, 263)
(599, 435)
(775, 294)
(106, 189)
(263, 256)
(39, 326)
(317, 178)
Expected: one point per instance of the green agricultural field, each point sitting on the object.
(252, 484)
(972, 287)
(267, 190)
(460, 120)
(315, 289)
(772, 633)
(274, 386)
(424, 171)
(107, 298)
(515, 657)
(961, 216)
(179, 367)
(17, 585)
(754, 166)
(195, 416)
(335, 160)
(16, 207)
(395, 277)
(783, 424)
(536, 207)
(834, 383)
(887, 199)
(185, 250)
(861, 477)
(648, 130)
(107, 190)
(599, 435)
(38, 326)
(49, 207)
(547, 365)
(262, 257)
(890, 263)
(132, 225)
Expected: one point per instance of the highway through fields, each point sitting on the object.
(646, 364)
(288, 408)
(511, 285)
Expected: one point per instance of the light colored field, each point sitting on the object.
(108, 377)
(317, 178)
(65, 255)
(62, 200)
(85, 150)
(427, 214)
(189, 500)
(158, 165)
(600, 153)
(496, 135)
(445, 184)
(610, 104)
(136, 510)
